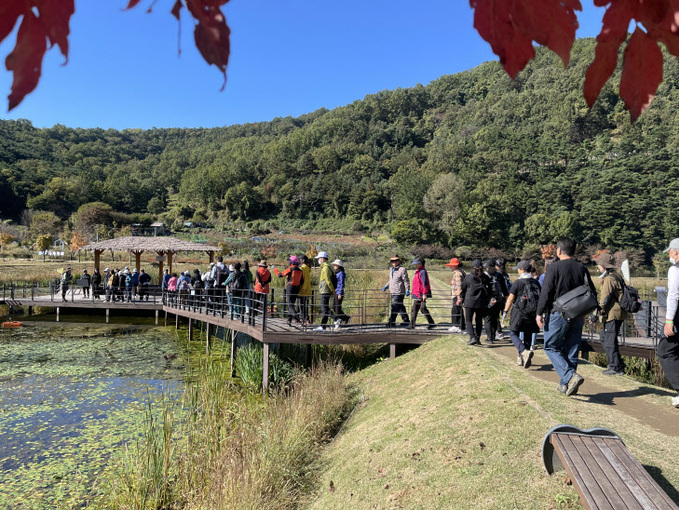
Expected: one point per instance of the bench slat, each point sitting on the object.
(656, 496)
(619, 494)
(585, 483)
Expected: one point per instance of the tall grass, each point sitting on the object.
(223, 448)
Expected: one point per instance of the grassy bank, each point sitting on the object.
(224, 448)
(448, 426)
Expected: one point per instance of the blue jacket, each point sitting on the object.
(341, 277)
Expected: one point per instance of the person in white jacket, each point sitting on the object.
(668, 345)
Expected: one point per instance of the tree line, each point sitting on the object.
(472, 159)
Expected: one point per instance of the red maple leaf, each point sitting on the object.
(641, 72)
(25, 61)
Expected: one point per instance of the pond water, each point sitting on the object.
(70, 397)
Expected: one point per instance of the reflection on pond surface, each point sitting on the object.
(69, 397)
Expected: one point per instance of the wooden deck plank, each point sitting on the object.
(617, 492)
(589, 494)
(648, 487)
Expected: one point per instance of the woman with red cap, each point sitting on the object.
(457, 312)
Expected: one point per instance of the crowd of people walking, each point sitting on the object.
(483, 299)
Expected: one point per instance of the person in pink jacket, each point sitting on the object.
(421, 290)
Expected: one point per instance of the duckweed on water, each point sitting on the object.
(69, 398)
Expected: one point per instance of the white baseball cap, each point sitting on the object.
(674, 245)
(322, 255)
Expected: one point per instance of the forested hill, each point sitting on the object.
(470, 159)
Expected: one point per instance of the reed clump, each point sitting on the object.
(224, 448)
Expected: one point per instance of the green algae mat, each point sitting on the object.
(70, 398)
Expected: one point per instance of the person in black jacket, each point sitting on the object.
(475, 296)
(497, 300)
(96, 282)
(563, 337)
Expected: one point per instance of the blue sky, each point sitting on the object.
(288, 57)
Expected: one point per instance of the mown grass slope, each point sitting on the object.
(448, 426)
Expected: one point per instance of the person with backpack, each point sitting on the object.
(112, 285)
(563, 336)
(399, 288)
(219, 275)
(612, 315)
(144, 281)
(497, 300)
(236, 285)
(262, 281)
(294, 280)
(135, 281)
(456, 311)
(64, 280)
(86, 282)
(327, 284)
(126, 284)
(475, 295)
(421, 292)
(523, 298)
(500, 267)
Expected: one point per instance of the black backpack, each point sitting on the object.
(239, 281)
(222, 275)
(527, 302)
(630, 301)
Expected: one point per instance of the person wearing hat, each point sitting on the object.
(294, 280)
(127, 279)
(341, 277)
(305, 290)
(501, 271)
(668, 345)
(475, 295)
(523, 298)
(262, 281)
(327, 284)
(563, 337)
(421, 291)
(399, 288)
(612, 316)
(456, 312)
(497, 301)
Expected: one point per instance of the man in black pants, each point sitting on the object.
(668, 346)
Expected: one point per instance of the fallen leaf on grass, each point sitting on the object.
(332, 486)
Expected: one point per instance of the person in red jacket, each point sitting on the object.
(262, 280)
(295, 279)
(421, 290)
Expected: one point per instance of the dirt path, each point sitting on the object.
(662, 418)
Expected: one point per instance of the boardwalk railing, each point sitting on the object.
(53, 293)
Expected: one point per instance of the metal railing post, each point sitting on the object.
(264, 296)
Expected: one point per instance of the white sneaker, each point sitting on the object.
(499, 336)
(319, 329)
(519, 361)
(455, 329)
(338, 322)
(675, 401)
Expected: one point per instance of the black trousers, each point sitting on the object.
(457, 316)
(339, 313)
(291, 294)
(668, 355)
(609, 341)
(492, 320)
(474, 316)
(419, 304)
(326, 312)
(397, 307)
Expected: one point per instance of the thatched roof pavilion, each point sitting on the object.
(162, 246)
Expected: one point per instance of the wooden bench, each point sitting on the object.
(604, 472)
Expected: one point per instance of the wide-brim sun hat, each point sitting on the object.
(337, 262)
(322, 255)
(262, 263)
(394, 258)
(454, 262)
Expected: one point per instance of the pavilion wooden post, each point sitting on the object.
(97, 259)
(211, 254)
(137, 258)
(170, 256)
(160, 267)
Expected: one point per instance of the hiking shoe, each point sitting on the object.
(675, 401)
(519, 361)
(455, 329)
(563, 388)
(338, 323)
(319, 329)
(527, 359)
(574, 384)
(431, 326)
(474, 341)
(613, 371)
(489, 341)
(499, 336)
